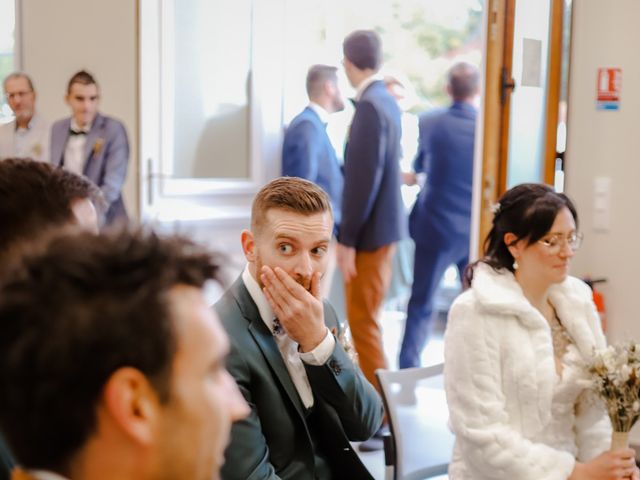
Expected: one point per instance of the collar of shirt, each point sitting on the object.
(75, 127)
(265, 310)
(321, 112)
(30, 125)
(365, 83)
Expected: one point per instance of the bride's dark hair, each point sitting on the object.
(528, 211)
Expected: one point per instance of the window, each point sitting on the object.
(7, 49)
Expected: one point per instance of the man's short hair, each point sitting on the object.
(83, 78)
(463, 79)
(317, 76)
(73, 315)
(15, 76)
(293, 194)
(363, 48)
(36, 197)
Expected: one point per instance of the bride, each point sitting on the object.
(515, 345)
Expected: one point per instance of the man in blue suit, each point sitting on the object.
(307, 151)
(440, 220)
(91, 144)
(373, 217)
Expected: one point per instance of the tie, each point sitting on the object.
(76, 132)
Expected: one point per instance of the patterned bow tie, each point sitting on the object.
(278, 329)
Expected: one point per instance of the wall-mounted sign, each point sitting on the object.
(609, 81)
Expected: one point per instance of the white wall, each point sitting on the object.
(63, 36)
(607, 144)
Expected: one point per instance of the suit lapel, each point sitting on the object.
(59, 142)
(92, 137)
(267, 344)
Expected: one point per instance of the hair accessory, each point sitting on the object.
(495, 208)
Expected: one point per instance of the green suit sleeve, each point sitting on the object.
(247, 455)
(342, 385)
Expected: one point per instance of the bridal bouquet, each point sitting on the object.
(615, 374)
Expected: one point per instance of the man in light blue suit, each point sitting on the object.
(307, 151)
(441, 217)
(93, 145)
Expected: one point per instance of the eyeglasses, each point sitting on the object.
(554, 243)
(11, 96)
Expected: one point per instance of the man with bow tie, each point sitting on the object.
(308, 400)
(307, 151)
(93, 145)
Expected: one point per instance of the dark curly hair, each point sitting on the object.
(528, 211)
(36, 197)
(72, 315)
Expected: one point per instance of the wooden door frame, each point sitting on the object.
(495, 115)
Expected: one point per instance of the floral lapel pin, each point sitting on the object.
(345, 341)
(36, 150)
(97, 147)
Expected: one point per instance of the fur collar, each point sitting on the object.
(499, 293)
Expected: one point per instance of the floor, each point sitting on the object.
(393, 326)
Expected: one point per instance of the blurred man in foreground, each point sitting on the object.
(111, 362)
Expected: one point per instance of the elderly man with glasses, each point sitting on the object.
(27, 135)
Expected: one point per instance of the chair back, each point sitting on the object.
(416, 407)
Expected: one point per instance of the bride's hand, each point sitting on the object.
(617, 465)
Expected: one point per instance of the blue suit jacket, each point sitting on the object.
(307, 153)
(442, 211)
(372, 209)
(106, 159)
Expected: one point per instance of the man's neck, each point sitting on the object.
(360, 76)
(23, 122)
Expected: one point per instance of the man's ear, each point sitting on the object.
(132, 404)
(66, 99)
(248, 245)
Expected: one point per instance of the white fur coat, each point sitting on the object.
(500, 380)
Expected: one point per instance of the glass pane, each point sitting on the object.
(7, 45)
(210, 56)
(526, 123)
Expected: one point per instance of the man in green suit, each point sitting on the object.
(307, 398)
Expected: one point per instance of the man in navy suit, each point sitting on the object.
(93, 145)
(440, 220)
(373, 217)
(307, 151)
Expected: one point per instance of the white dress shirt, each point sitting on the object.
(365, 83)
(289, 348)
(321, 112)
(74, 150)
(31, 142)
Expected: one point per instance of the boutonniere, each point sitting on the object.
(344, 339)
(36, 150)
(98, 146)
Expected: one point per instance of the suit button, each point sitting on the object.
(333, 365)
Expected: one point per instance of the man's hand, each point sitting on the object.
(346, 259)
(409, 178)
(300, 312)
